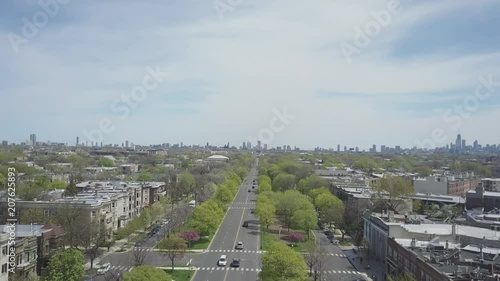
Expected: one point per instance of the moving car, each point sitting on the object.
(235, 263)
(222, 261)
(245, 224)
(104, 268)
(239, 246)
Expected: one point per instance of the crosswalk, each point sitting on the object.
(246, 203)
(233, 251)
(240, 208)
(121, 268)
(229, 269)
(341, 272)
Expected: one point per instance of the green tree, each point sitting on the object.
(393, 190)
(105, 162)
(287, 203)
(313, 193)
(2, 180)
(67, 265)
(58, 185)
(146, 218)
(281, 263)
(146, 273)
(284, 182)
(423, 171)
(311, 182)
(186, 184)
(241, 171)
(41, 181)
(265, 210)
(206, 218)
(174, 247)
(144, 177)
(305, 220)
(224, 195)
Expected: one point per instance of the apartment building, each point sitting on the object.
(446, 184)
(434, 252)
(4, 257)
(491, 184)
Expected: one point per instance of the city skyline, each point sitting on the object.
(221, 76)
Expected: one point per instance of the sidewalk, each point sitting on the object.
(113, 249)
(377, 268)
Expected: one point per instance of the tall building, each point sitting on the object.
(265, 146)
(77, 141)
(374, 148)
(33, 139)
(458, 143)
(126, 143)
(249, 145)
(338, 147)
(244, 146)
(464, 145)
(259, 143)
(476, 145)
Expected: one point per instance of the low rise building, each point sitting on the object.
(4, 256)
(446, 184)
(431, 251)
(480, 198)
(491, 184)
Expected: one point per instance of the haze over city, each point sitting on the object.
(230, 70)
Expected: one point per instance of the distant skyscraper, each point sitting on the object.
(458, 142)
(345, 148)
(338, 147)
(249, 145)
(476, 144)
(374, 148)
(126, 143)
(265, 146)
(101, 143)
(77, 141)
(357, 149)
(464, 145)
(33, 139)
(244, 145)
(259, 143)
(382, 148)
(5, 143)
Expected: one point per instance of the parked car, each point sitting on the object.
(245, 224)
(239, 246)
(235, 263)
(104, 268)
(222, 261)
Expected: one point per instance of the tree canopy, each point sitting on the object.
(146, 273)
(281, 263)
(67, 265)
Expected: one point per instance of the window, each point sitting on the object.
(93, 213)
(4, 250)
(46, 213)
(4, 268)
(113, 204)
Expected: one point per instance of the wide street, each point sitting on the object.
(226, 238)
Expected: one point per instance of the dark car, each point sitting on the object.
(245, 224)
(253, 186)
(249, 190)
(235, 263)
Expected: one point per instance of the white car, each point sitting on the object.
(222, 260)
(104, 268)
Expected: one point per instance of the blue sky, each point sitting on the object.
(228, 73)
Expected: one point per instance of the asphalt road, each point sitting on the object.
(337, 267)
(226, 238)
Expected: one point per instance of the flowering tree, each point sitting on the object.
(297, 237)
(190, 236)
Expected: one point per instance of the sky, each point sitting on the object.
(286, 72)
